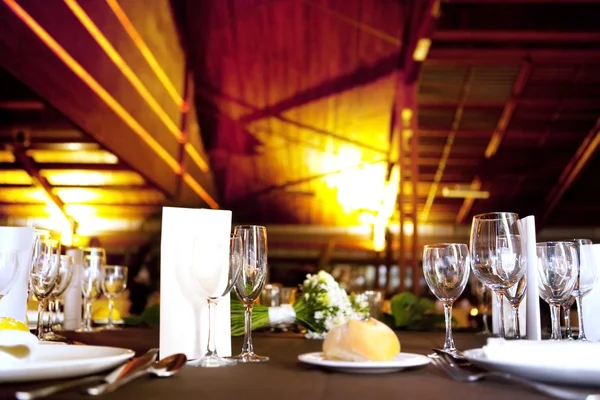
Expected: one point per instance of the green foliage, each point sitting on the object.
(150, 317)
(412, 313)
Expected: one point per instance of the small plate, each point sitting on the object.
(400, 362)
(65, 361)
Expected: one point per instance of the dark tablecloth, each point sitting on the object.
(283, 377)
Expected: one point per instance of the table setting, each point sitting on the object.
(213, 326)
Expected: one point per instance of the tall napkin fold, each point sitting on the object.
(183, 312)
(14, 304)
(591, 317)
(548, 352)
(529, 308)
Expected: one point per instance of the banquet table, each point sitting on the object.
(283, 377)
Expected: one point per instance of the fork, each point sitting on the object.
(447, 365)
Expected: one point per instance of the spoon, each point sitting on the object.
(164, 368)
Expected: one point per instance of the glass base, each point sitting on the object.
(84, 329)
(212, 362)
(53, 337)
(108, 328)
(249, 358)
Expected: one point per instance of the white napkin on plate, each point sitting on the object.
(550, 353)
(16, 347)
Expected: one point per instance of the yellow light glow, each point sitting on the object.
(6, 156)
(386, 209)
(68, 156)
(109, 196)
(474, 312)
(60, 222)
(422, 49)
(15, 177)
(80, 211)
(22, 195)
(92, 178)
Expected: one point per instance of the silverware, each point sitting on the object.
(458, 359)
(447, 365)
(122, 372)
(163, 368)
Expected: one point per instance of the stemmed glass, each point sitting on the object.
(483, 295)
(65, 273)
(557, 271)
(496, 254)
(586, 278)
(566, 306)
(9, 271)
(93, 259)
(446, 271)
(250, 282)
(43, 275)
(514, 295)
(113, 281)
(215, 280)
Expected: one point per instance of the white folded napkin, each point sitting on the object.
(16, 347)
(550, 353)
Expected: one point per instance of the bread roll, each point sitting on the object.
(355, 340)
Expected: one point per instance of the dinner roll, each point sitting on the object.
(369, 340)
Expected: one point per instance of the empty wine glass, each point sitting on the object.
(446, 271)
(557, 271)
(514, 295)
(586, 279)
(215, 278)
(496, 260)
(483, 297)
(566, 306)
(9, 270)
(65, 273)
(93, 259)
(113, 282)
(250, 282)
(43, 275)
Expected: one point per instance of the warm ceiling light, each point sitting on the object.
(7, 156)
(15, 177)
(462, 193)
(421, 50)
(92, 178)
(65, 156)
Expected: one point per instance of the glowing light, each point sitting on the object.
(6, 156)
(68, 156)
(91, 178)
(474, 312)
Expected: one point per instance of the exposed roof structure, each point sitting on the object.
(309, 112)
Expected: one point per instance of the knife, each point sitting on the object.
(120, 373)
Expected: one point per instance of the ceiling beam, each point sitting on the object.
(440, 54)
(464, 35)
(584, 153)
(22, 105)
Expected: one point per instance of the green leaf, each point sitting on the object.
(150, 317)
(401, 306)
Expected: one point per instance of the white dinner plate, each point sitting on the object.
(565, 372)
(400, 362)
(65, 361)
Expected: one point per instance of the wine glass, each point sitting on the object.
(557, 271)
(586, 278)
(113, 282)
(250, 282)
(483, 295)
(43, 275)
(496, 257)
(215, 279)
(93, 259)
(514, 295)
(566, 306)
(446, 271)
(9, 270)
(65, 273)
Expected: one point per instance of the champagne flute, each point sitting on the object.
(43, 276)
(215, 279)
(446, 271)
(250, 282)
(9, 271)
(113, 282)
(65, 273)
(586, 279)
(93, 259)
(557, 271)
(495, 265)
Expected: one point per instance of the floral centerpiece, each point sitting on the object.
(322, 305)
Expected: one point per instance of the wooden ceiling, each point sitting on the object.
(299, 107)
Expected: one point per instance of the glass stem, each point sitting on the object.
(211, 346)
(486, 328)
(111, 306)
(579, 300)
(87, 316)
(40, 320)
(500, 309)
(449, 342)
(51, 314)
(555, 316)
(516, 321)
(567, 311)
(248, 348)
